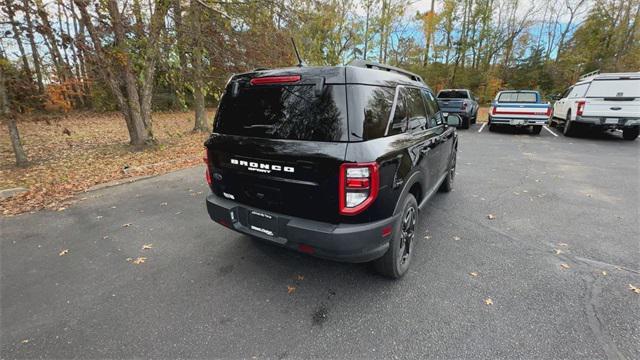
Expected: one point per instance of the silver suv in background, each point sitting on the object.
(461, 102)
(604, 101)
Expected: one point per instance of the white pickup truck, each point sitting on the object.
(600, 101)
(519, 108)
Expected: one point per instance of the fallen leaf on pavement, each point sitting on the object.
(564, 266)
(634, 289)
(300, 277)
(147, 246)
(456, 238)
(99, 217)
(491, 217)
(473, 273)
(63, 252)
(563, 244)
(558, 251)
(427, 237)
(163, 204)
(139, 260)
(25, 341)
(126, 225)
(488, 301)
(291, 289)
(604, 273)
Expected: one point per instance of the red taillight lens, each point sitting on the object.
(549, 110)
(580, 108)
(269, 80)
(493, 110)
(358, 187)
(207, 173)
(463, 106)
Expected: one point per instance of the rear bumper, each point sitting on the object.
(462, 113)
(517, 121)
(341, 242)
(604, 122)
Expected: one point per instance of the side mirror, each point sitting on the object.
(453, 120)
(556, 97)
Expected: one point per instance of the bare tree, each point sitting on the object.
(10, 120)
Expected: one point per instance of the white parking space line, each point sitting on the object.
(482, 127)
(549, 130)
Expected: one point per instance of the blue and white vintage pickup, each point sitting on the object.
(519, 108)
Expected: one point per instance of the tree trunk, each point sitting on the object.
(197, 71)
(9, 118)
(17, 35)
(37, 63)
(47, 32)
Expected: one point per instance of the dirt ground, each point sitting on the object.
(70, 154)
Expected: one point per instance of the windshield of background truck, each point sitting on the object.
(614, 88)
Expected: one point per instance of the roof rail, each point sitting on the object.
(593, 73)
(373, 65)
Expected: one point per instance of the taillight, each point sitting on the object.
(580, 108)
(207, 173)
(463, 106)
(549, 110)
(493, 110)
(358, 187)
(269, 80)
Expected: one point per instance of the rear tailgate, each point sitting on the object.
(610, 107)
(520, 110)
(296, 178)
(451, 105)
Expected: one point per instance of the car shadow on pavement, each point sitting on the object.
(512, 130)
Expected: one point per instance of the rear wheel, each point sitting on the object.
(630, 133)
(569, 128)
(465, 123)
(395, 262)
(536, 129)
(447, 184)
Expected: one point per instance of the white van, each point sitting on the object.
(604, 101)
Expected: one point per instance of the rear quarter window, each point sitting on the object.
(292, 112)
(369, 110)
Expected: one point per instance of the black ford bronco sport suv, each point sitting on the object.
(330, 161)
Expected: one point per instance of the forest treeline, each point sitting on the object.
(138, 56)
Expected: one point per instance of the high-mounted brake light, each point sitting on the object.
(580, 108)
(270, 80)
(358, 187)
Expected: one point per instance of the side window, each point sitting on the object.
(435, 116)
(578, 91)
(399, 121)
(416, 109)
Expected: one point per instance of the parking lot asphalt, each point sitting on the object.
(556, 262)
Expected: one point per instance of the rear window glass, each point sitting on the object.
(290, 112)
(369, 110)
(453, 94)
(518, 97)
(614, 88)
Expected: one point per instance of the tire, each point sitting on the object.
(465, 123)
(395, 262)
(536, 129)
(447, 184)
(630, 133)
(569, 129)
